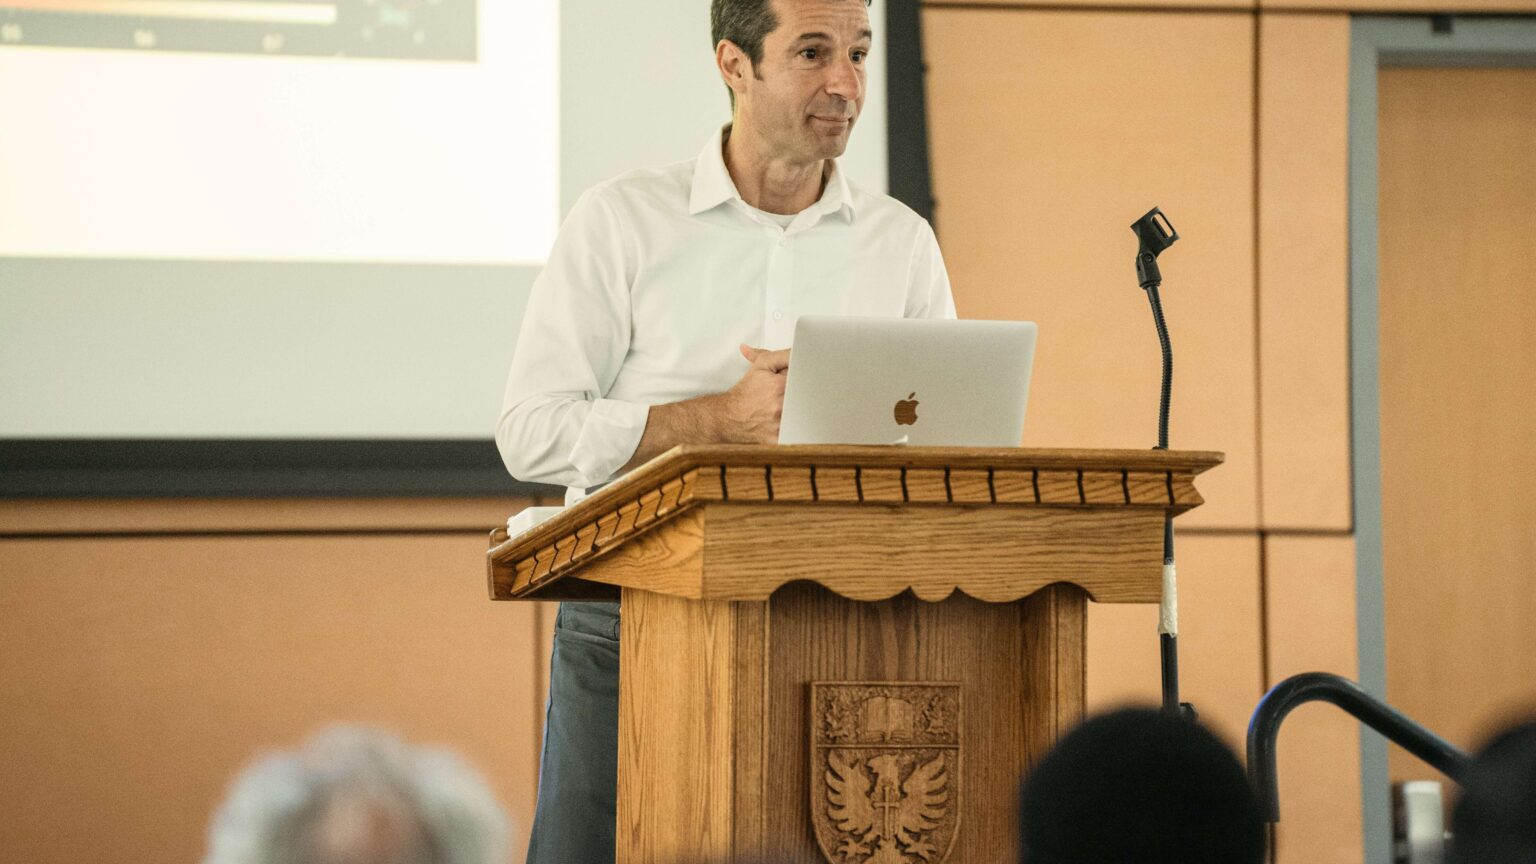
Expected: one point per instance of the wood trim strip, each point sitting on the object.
(878, 476)
(794, 483)
(1104, 487)
(747, 482)
(969, 486)
(1058, 487)
(1014, 487)
(881, 486)
(837, 484)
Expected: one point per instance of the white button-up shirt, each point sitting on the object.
(658, 275)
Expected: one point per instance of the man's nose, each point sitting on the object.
(843, 80)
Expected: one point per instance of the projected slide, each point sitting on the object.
(398, 29)
(191, 155)
(206, 241)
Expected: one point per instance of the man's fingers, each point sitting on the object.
(750, 353)
(773, 361)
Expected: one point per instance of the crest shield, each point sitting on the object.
(885, 770)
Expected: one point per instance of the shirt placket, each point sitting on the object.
(778, 320)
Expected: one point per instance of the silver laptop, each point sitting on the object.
(907, 381)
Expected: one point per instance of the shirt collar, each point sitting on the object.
(713, 186)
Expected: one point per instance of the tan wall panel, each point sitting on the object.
(138, 675)
(1457, 357)
(21, 516)
(1220, 662)
(1310, 588)
(1400, 6)
(1044, 150)
(1304, 271)
(1100, 4)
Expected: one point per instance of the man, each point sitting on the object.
(664, 317)
(354, 795)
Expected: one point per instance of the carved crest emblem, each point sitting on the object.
(885, 771)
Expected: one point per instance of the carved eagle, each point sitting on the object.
(869, 808)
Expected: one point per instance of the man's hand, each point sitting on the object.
(773, 361)
(748, 413)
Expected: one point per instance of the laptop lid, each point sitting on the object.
(907, 381)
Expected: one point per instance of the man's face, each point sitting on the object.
(808, 90)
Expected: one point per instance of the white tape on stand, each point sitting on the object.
(1168, 610)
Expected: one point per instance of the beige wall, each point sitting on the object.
(1051, 130)
(149, 649)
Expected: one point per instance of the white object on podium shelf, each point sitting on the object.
(528, 517)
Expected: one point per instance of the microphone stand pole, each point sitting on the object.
(1156, 234)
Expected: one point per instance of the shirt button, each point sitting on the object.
(778, 316)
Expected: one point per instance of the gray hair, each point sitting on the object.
(354, 795)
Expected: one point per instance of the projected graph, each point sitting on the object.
(386, 29)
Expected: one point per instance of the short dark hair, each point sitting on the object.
(1495, 818)
(1140, 785)
(745, 23)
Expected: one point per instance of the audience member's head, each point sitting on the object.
(359, 796)
(1495, 819)
(1139, 785)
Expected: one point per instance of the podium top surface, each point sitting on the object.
(872, 482)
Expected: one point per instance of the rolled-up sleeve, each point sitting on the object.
(928, 291)
(557, 426)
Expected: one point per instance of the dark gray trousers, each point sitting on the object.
(573, 822)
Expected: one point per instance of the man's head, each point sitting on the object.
(358, 796)
(1140, 785)
(1495, 818)
(795, 69)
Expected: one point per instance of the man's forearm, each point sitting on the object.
(692, 421)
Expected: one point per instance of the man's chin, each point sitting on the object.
(831, 138)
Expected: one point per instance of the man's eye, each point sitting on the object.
(858, 56)
(809, 53)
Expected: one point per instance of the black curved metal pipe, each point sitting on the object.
(1264, 728)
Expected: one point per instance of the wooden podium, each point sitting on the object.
(848, 654)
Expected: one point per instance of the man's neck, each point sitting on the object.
(774, 185)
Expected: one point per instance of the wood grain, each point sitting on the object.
(866, 553)
(677, 717)
(713, 715)
(1055, 633)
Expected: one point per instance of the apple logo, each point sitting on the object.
(906, 411)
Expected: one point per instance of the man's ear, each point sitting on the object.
(734, 65)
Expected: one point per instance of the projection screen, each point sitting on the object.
(291, 223)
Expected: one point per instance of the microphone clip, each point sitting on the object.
(1156, 233)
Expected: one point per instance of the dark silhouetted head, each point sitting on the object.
(1139, 786)
(1495, 818)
